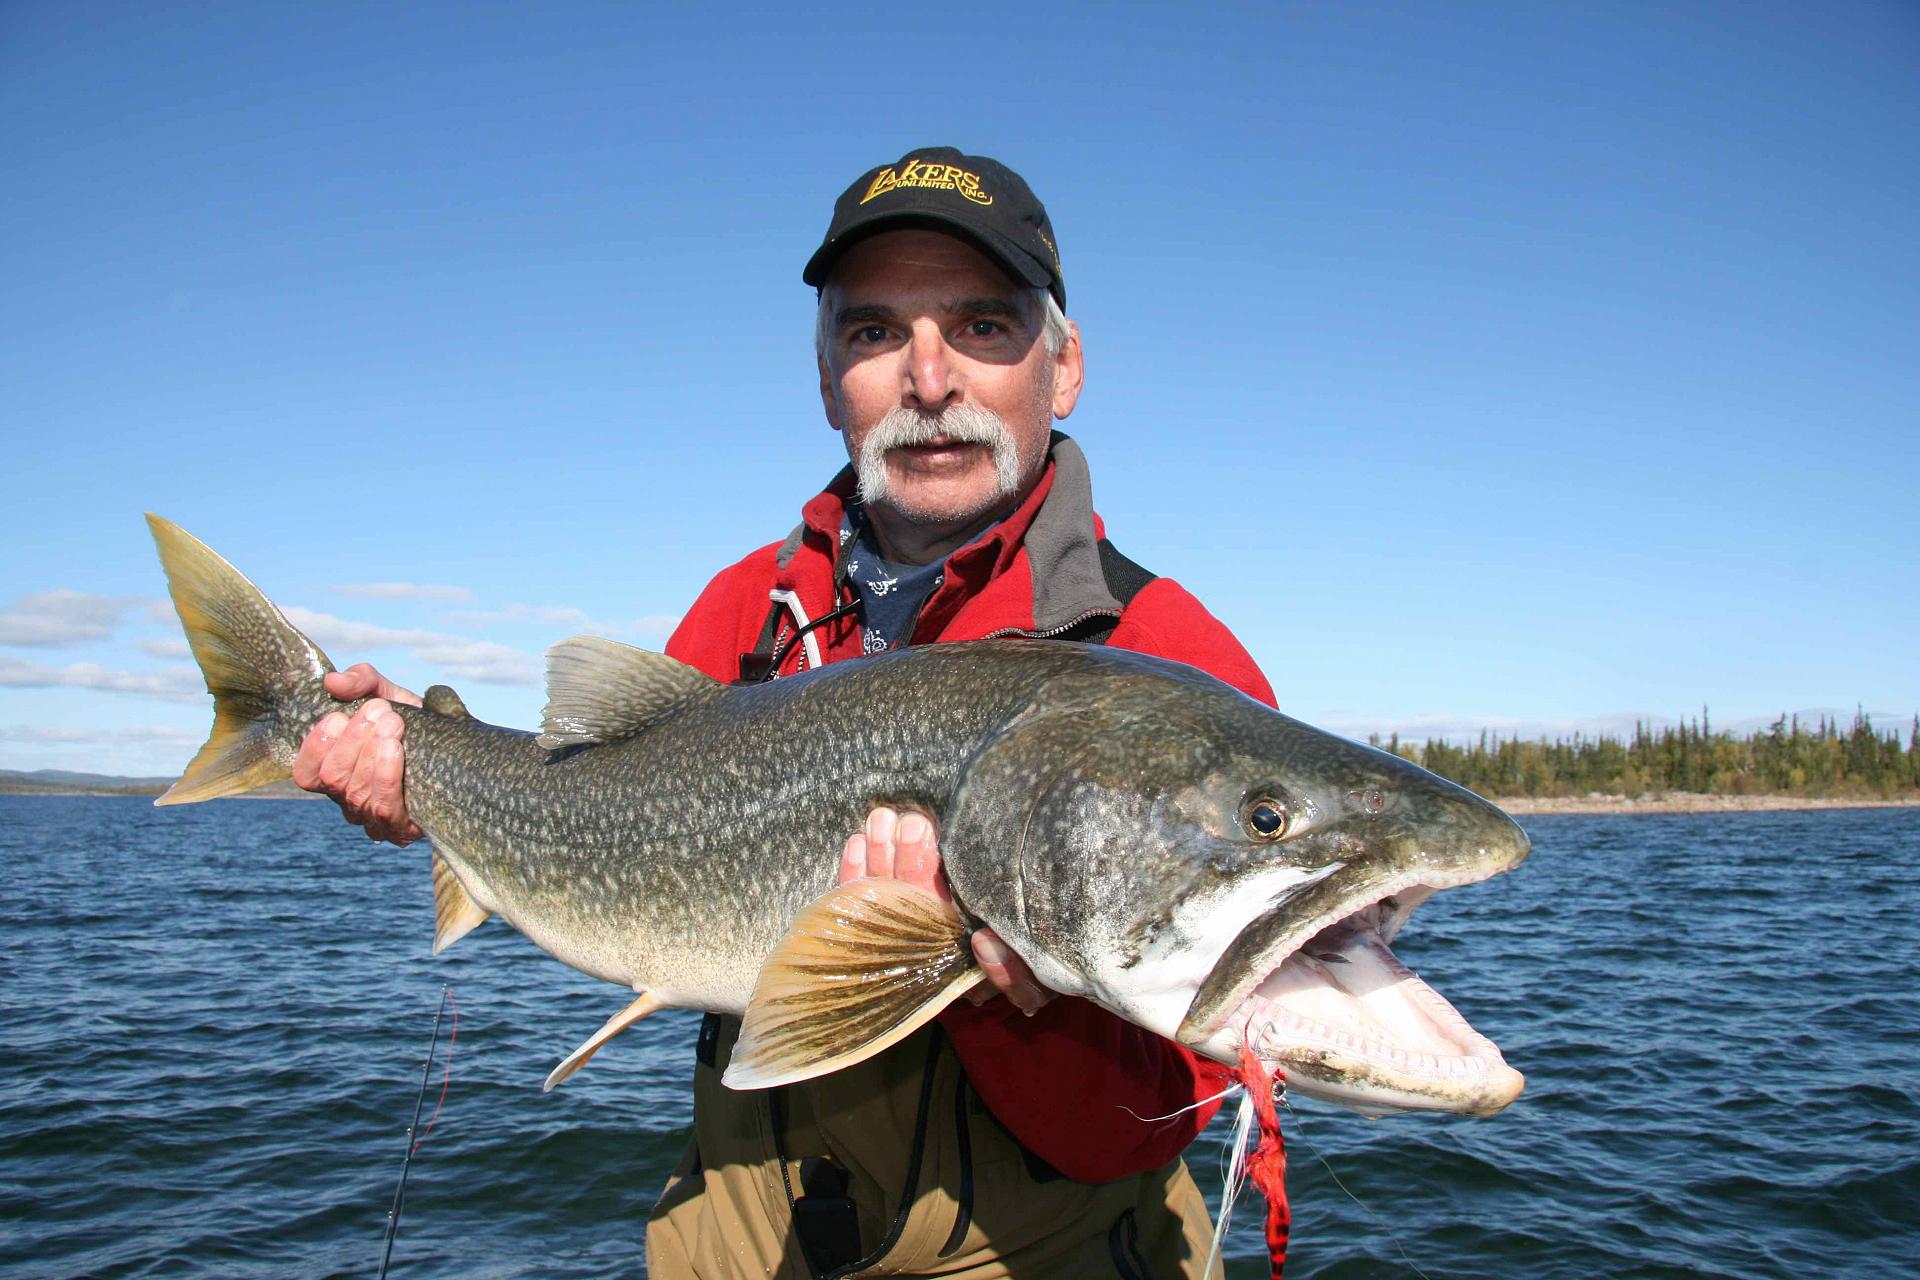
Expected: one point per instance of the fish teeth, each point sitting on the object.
(1287, 1026)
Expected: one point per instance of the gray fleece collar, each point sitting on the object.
(1063, 548)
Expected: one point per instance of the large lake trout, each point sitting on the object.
(1140, 833)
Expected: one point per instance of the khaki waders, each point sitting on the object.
(895, 1168)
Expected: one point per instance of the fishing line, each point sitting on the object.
(419, 1103)
(453, 1036)
(1232, 1178)
(1299, 1135)
(1182, 1111)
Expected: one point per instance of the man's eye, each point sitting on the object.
(984, 328)
(870, 333)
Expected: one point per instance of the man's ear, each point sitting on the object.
(1069, 371)
(829, 403)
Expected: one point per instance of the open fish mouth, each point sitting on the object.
(1342, 1019)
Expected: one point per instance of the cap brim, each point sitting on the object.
(1020, 264)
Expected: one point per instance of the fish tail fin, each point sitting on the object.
(261, 671)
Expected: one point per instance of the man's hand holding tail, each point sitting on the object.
(358, 762)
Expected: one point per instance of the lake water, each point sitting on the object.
(213, 1020)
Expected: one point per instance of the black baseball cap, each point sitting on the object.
(981, 199)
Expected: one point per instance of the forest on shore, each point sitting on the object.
(1821, 760)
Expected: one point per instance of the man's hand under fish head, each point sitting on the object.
(905, 847)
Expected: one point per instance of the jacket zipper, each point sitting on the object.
(1051, 632)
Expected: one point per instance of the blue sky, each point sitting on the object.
(1532, 366)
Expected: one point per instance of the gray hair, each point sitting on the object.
(1054, 328)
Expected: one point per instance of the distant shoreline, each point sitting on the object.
(1688, 802)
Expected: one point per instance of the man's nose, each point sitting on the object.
(931, 380)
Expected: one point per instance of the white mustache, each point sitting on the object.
(959, 423)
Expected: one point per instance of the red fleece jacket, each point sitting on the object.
(1071, 1082)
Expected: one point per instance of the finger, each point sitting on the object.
(1007, 973)
(357, 681)
(336, 771)
(853, 858)
(361, 680)
(397, 693)
(1022, 987)
(357, 796)
(314, 748)
(881, 826)
(916, 856)
(389, 798)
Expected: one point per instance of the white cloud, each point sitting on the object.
(654, 624)
(64, 618)
(139, 750)
(128, 735)
(551, 615)
(483, 661)
(330, 632)
(169, 647)
(176, 684)
(404, 591)
(657, 626)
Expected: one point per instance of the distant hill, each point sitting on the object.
(65, 782)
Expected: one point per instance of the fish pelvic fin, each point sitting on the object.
(619, 1022)
(258, 667)
(599, 690)
(455, 913)
(860, 970)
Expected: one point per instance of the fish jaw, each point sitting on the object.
(1313, 988)
(1343, 1020)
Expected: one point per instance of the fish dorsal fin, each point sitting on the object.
(599, 690)
(619, 1022)
(443, 701)
(455, 913)
(860, 970)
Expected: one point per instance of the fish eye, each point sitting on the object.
(1265, 818)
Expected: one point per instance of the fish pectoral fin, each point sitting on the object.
(619, 1022)
(599, 690)
(860, 970)
(455, 913)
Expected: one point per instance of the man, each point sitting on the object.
(1025, 1135)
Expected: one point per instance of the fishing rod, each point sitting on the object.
(419, 1101)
